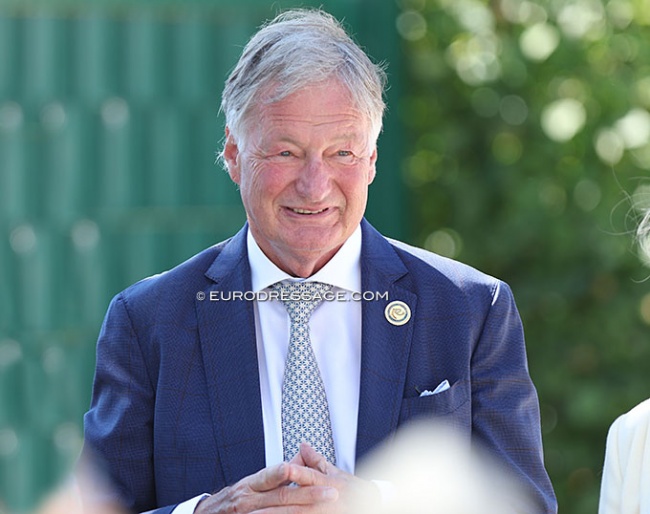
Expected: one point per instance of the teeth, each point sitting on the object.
(304, 211)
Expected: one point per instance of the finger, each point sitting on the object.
(270, 478)
(305, 476)
(313, 459)
(287, 500)
(298, 460)
(240, 498)
(303, 495)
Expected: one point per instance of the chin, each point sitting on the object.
(317, 242)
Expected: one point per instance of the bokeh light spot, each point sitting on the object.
(641, 198)
(634, 128)
(563, 119)
(9, 442)
(609, 146)
(11, 116)
(473, 15)
(445, 242)
(642, 156)
(411, 25)
(68, 439)
(53, 360)
(582, 19)
(644, 309)
(523, 12)
(538, 42)
(475, 58)
(642, 91)
(10, 352)
(587, 195)
(485, 101)
(553, 197)
(23, 239)
(85, 234)
(115, 112)
(620, 12)
(421, 168)
(513, 110)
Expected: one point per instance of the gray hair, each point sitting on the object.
(298, 48)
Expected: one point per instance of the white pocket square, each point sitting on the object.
(442, 386)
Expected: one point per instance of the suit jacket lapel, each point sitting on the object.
(228, 344)
(384, 347)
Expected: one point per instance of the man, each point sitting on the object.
(203, 387)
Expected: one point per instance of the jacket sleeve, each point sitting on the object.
(118, 428)
(505, 407)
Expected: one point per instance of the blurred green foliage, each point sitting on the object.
(527, 156)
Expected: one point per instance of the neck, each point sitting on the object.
(303, 263)
(302, 266)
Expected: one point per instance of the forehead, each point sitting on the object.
(327, 104)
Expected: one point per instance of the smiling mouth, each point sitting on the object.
(305, 211)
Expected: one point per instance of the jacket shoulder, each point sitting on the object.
(422, 262)
(186, 276)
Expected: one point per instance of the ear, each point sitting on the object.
(231, 156)
(373, 170)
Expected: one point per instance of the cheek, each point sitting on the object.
(354, 186)
(261, 183)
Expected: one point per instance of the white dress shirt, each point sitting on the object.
(335, 333)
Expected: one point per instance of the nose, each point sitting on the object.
(314, 180)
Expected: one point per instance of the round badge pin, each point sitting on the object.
(397, 313)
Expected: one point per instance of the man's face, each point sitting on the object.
(303, 169)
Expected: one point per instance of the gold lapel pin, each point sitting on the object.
(397, 313)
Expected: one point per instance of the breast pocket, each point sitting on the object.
(451, 406)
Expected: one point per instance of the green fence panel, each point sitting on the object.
(13, 179)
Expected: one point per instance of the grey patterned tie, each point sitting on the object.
(305, 412)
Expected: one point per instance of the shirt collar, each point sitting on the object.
(343, 270)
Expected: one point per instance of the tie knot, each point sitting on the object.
(301, 298)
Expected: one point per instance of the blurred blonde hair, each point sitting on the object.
(643, 237)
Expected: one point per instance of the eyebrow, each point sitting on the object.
(346, 136)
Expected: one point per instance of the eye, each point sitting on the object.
(285, 153)
(345, 157)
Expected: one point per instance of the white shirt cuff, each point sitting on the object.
(187, 507)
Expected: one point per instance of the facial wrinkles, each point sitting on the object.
(348, 118)
(318, 130)
(303, 170)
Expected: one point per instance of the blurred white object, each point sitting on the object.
(434, 471)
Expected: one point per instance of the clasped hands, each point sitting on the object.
(308, 484)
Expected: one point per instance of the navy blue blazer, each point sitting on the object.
(176, 407)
